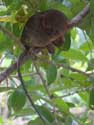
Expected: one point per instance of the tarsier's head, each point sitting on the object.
(45, 30)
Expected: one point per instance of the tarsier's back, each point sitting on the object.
(43, 28)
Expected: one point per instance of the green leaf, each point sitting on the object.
(62, 106)
(68, 120)
(1, 120)
(87, 46)
(91, 20)
(78, 76)
(4, 89)
(62, 8)
(51, 73)
(74, 54)
(84, 96)
(90, 65)
(5, 42)
(17, 100)
(24, 112)
(68, 83)
(76, 6)
(36, 122)
(16, 29)
(7, 2)
(70, 104)
(43, 5)
(15, 4)
(67, 42)
(34, 87)
(73, 33)
(91, 98)
(91, 33)
(46, 113)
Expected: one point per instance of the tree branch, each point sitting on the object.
(75, 70)
(78, 90)
(77, 19)
(26, 91)
(13, 67)
(42, 79)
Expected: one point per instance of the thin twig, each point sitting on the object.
(24, 75)
(89, 88)
(42, 79)
(26, 91)
(79, 17)
(13, 67)
(74, 70)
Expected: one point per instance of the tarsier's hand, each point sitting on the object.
(45, 30)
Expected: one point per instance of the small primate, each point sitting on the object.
(42, 30)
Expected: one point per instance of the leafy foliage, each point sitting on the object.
(51, 73)
(68, 72)
(17, 100)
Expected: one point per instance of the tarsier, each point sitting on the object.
(43, 30)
